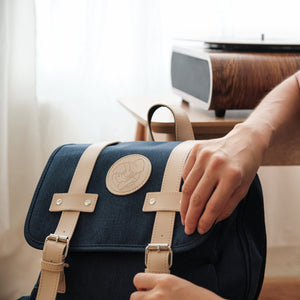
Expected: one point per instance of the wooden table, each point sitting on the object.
(205, 125)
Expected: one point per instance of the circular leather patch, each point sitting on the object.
(128, 174)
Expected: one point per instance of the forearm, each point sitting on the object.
(277, 117)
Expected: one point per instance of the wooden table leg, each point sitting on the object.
(141, 132)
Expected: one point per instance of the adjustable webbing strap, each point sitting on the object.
(56, 245)
(158, 254)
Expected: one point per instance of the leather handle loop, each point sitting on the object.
(183, 127)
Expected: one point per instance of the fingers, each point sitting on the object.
(210, 186)
(144, 281)
(192, 174)
(146, 284)
(217, 176)
(189, 163)
(232, 203)
(188, 189)
(215, 207)
(170, 287)
(197, 202)
(137, 296)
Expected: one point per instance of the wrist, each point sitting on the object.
(258, 135)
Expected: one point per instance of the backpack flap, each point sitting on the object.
(118, 222)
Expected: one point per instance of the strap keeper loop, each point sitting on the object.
(52, 267)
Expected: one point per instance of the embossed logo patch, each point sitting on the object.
(128, 174)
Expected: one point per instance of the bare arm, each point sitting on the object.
(277, 117)
(222, 170)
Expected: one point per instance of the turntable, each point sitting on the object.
(222, 75)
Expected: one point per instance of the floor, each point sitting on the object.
(282, 276)
(281, 289)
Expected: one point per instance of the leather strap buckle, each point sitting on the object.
(159, 247)
(60, 239)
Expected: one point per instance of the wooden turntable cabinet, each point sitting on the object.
(222, 76)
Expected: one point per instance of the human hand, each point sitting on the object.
(217, 176)
(168, 287)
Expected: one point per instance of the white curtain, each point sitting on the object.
(4, 206)
(19, 112)
(20, 162)
(64, 63)
(89, 54)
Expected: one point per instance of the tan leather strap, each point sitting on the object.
(56, 245)
(53, 254)
(158, 254)
(73, 202)
(162, 201)
(183, 127)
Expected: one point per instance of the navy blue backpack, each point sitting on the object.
(98, 211)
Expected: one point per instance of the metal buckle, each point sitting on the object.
(158, 248)
(59, 238)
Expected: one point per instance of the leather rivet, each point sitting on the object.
(152, 201)
(59, 201)
(87, 202)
